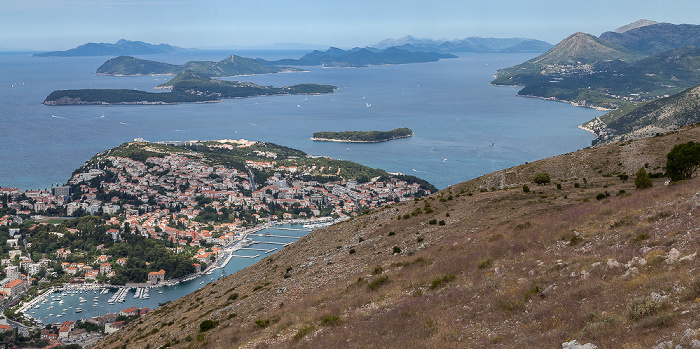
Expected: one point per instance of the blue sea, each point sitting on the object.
(463, 127)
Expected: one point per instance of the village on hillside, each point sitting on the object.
(181, 207)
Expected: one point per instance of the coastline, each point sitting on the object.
(575, 104)
(219, 263)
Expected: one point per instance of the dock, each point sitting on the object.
(236, 255)
(277, 236)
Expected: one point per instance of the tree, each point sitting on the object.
(642, 179)
(541, 179)
(683, 160)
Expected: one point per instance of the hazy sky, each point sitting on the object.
(62, 24)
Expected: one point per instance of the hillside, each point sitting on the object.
(574, 55)
(657, 37)
(479, 264)
(230, 66)
(121, 47)
(647, 119)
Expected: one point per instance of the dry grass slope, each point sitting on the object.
(481, 264)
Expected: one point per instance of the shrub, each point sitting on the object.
(623, 177)
(559, 186)
(377, 283)
(432, 221)
(642, 180)
(303, 332)
(207, 325)
(330, 320)
(262, 323)
(642, 307)
(526, 189)
(541, 179)
(683, 160)
(391, 233)
(441, 281)
(441, 222)
(485, 263)
(352, 251)
(396, 250)
(377, 270)
(233, 296)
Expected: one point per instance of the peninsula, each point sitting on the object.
(362, 136)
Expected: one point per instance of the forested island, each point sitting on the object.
(230, 66)
(184, 88)
(362, 136)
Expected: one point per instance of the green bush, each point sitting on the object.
(303, 332)
(330, 320)
(262, 323)
(526, 189)
(541, 179)
(207, 325)
(377, 283)
(396, 250)
(441, 281)
(642, 180)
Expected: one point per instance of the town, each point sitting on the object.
(184, 204)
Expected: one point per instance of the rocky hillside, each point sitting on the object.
(647, 119)
(485, 263)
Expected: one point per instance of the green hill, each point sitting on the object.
(575, 55)
(230, 66)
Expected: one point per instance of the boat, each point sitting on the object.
(78, 310)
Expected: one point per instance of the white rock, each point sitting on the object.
(672, 256)
(613, 264)
(574, 344)
(688, 334)
(695, 344)
(664, 345)
(690, 257)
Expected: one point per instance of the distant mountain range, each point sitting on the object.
(361, 57)
(230, 66)
(121, 47)
(470, 44)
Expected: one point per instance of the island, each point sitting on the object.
(230, 66)
(121, 47)
(360, 57)
(185, 88)
(362, 136)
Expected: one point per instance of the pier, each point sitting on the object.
(259, 249)
(278, 236)
(236, 255)
(297, 229)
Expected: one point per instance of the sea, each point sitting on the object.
(463, 127)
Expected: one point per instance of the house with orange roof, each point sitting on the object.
(156, 277)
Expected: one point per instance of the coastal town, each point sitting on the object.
(148, 215)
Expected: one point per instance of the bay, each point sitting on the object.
(96, 304)
(463, 127)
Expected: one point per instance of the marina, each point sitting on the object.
(74, 302)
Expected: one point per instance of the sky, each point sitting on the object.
(63, 24)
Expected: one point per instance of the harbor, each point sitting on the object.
(83, 301)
